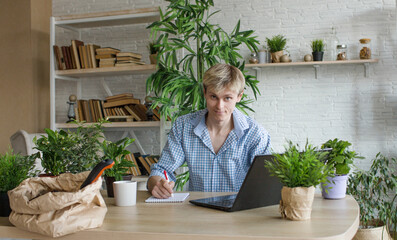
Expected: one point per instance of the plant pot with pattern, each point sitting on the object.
(299, 172)
(14, 168)
(318, 47)
(340, 159)
(276, 47)
(375, 191)
(117, 152)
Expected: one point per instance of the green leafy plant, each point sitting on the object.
(297, 168)
(182, 179)
(153, 48)
(186, 28)
(375, 191)
(117, 152)
(318, 45)
(340, 158)
(276, 43)
(73, 152)
(15, 168)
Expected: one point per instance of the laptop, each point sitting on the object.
(259, 189)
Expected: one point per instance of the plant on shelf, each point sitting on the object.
(318, 47)
(153, 49)
(340, 159)
(299, 172)
(276, 46)
(66, 151)
(375, 191)
(177, 84)
(14, 168)
(117, 152)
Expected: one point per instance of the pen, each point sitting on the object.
(166, 178)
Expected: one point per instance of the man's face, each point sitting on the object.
(221, 105)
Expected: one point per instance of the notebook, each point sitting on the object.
(259, 189)
(177, 197)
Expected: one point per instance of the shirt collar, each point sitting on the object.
(240, 122)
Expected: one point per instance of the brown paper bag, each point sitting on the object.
(296, 203)
(56, 206)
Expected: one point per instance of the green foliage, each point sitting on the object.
(182, 179)
(276, 43)
(15, 168)
(117, 152)
(186, 27)
(340, 158)
(153, 48)
(375, 191)
(299, 169)
(73, 152)
(318, 45)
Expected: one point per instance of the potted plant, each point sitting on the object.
(153, 49)
(276, 46)
(117, 152)
(72, 152)
(318, 47)
(299, 172)
(375, 191)
(177, 84)
(14, 168)
(340, 158)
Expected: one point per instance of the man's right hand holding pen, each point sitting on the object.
(160, 187)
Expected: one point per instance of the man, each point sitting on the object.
(218, 143)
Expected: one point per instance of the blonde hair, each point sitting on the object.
(221, 76)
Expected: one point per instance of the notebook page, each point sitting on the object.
(178, 197)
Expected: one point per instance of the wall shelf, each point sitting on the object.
(114, 124)
(108, 71)
(316, 65)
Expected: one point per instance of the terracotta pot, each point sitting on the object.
(109, 183)
(296, 203)
(276, 56)
(153, 58)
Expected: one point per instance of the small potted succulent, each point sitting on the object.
(300, 172)
(276, 46)
(14, 168)
(117, 152)
(318, 47)
(375, 191)
(153, 49)
(340, 158)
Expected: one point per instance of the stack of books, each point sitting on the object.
(128, 59)
(106, 56)
(76, 56)
(142, 163)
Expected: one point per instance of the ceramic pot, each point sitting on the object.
(336, 187)
(109, 183)
(153, 58)
(5, 209)
(318, 56)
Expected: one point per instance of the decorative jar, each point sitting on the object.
(341, 52)
(365, 46)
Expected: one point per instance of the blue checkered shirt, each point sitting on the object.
(189, 140)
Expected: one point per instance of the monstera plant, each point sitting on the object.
(190, 44)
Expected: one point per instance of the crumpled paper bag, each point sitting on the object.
(296, 203)
(55, 206)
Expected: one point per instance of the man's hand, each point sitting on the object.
(159, 187)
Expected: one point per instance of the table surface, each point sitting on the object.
(330, 219)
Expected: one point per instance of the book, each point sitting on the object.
(107, 50)
(102, 56)
(93, 49)
(132, 113)
(121, 102)
(65, 56)
(58, 57)
(75, 50)
(81, 54)
(119, 96)
(176, 198)
(129, 54)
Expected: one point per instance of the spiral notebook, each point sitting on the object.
(178, 197)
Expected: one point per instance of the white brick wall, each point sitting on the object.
(341, 103)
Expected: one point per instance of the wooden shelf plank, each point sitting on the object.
(361, 61)
(108, 71)
(114, 124)
(112, 18)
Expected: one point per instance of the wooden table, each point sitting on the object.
(331, 219)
